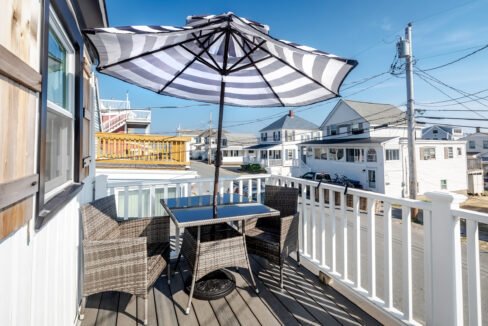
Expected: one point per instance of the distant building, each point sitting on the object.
(437, 132)
(477, 149)
(278, 150)
(118, 116)
(367, 142)
(233, 145)
(195, 139)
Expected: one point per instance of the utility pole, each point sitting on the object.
(404, 48)
(209, 143)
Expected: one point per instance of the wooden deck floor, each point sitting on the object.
(304, 300)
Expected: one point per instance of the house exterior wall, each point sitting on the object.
(478, 140)
(435, 132)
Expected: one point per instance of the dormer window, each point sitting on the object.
(435, 131)
(264, 136)
(333, 130)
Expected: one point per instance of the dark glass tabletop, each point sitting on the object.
(205, 200)
(196, 211)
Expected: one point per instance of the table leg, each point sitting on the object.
(247, 256)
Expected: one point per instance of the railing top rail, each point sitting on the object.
(363, 193)
(116, 184)
(470, 215)
(137, 137)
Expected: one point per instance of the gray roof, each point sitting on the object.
(376, 113)
(291, 122)
(235, 139)
(261, 146)
(370, 140)
(445, 128)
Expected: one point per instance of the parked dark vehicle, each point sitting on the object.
(316, 176)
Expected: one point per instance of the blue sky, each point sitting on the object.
(367, 31)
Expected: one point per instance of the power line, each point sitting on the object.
(457, 60)
(452, 118)
(449, 110)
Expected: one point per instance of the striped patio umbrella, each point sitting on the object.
(223, 59)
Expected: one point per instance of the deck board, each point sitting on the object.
(304, 300)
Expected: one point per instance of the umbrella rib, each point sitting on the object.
(287, 64)
(188, 65)
(249, 64)
(208, 53)
(260, 73)
(199, 59)
(156, 50)
(248, 54)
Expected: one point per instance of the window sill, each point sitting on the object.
(55, 204)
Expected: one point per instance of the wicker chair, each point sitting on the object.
(274, 238)
(126, 256)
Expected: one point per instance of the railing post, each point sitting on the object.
(446, 307)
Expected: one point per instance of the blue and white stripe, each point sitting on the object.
(162, 59)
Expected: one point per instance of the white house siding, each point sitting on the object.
(431, 172)
(41, 283)
(352, 170)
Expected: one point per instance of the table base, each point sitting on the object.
(212, 286)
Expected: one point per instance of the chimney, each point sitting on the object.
(478, 129)
(291, 114)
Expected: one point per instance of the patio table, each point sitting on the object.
(211, 244)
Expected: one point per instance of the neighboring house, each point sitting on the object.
(477, 149)
(118, 116)
(437, 132)
(372, 149)
(195, 140)
(278, 150)
(233, 145)
(46, 125)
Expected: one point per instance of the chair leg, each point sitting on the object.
(177, 262)
(298, 253)
(82, 308)
(145, 309)
(194, 275)
(253, 282)
(281, 275)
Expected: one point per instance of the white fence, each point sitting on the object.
(366, 243)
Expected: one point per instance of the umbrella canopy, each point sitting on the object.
(219, 59)
(189, 62)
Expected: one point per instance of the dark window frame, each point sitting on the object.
(47, 209)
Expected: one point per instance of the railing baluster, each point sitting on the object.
(231, 191)
(371, 248)
(199, 189)
(312, 227)
(249, 189)
(152, 200)
(304, 220)
(258, 190)
(139, 201)
(357, 238)
(344, 235)
(474, 286)
(388, 273)
(407, 263)
(241, 195)
(323, 227)
(427, 217)
(332, 234)
(126, 202)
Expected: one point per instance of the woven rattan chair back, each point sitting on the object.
(99, 219)
(284, 199)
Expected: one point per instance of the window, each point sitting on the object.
(371, 155)
(472, 144)
(264, 136)
(323, 155)
(392, 154)
(485, 144)
(264, 154)
(279, 135)
(435, 131)
(448, 152)
(357, 128)
(332, 154)
(459, 151)
(353, 155)
(224, 142)
(289, 135)
(427, 153)
(340, 153)
(443, 184)
(372, 178)
(317, 153)
(333, 130)
(290, 154)
(59, 164)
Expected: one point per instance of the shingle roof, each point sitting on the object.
(376, 113)
(235, 139)
(370, 140)
(291, 122)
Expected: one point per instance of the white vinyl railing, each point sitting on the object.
(365, 242)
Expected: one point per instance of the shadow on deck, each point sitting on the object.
(304, 300)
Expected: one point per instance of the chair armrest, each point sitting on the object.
(115, 265)
(155, 229)
(289, 230)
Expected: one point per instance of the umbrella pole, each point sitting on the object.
(218, 154)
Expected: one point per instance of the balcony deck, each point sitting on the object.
(304, 300)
